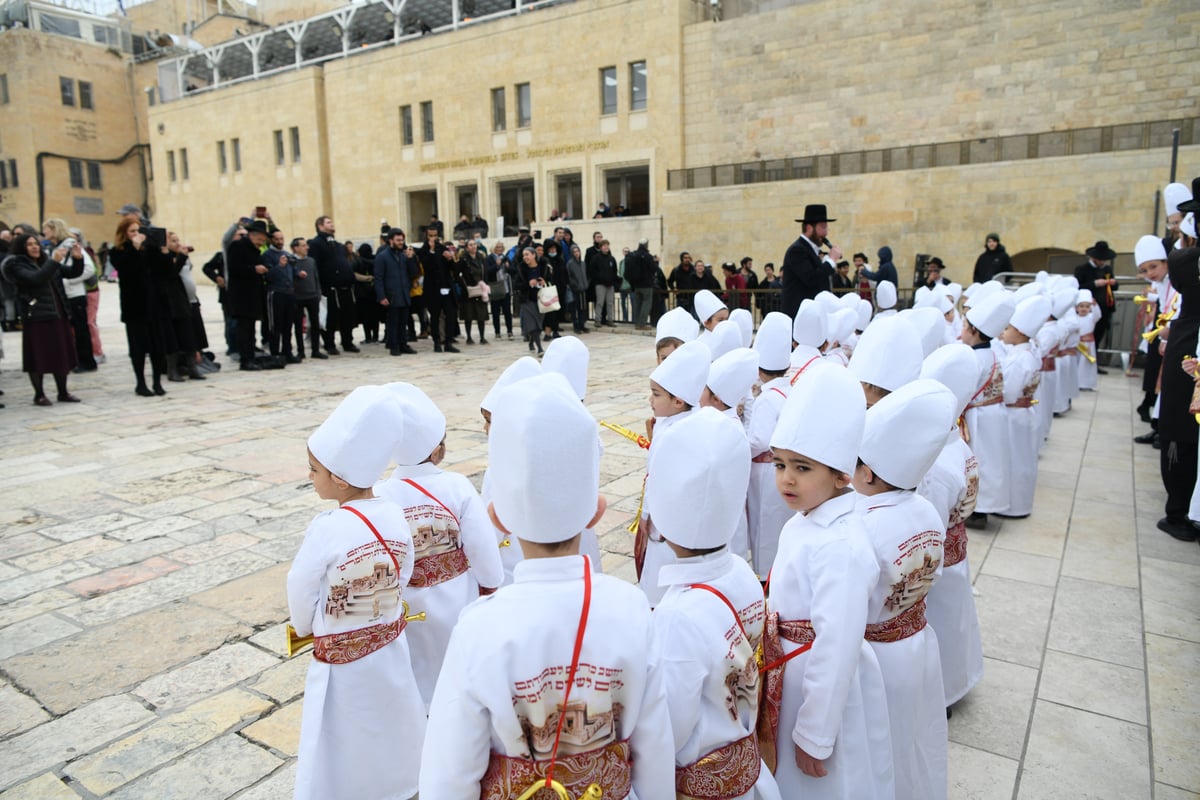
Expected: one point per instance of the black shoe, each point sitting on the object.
(333, 351)
(1157, 443)
(250, 366)
(396, 352)
(319, 354)
(1183, 530)
(294, 360)
(158, 390)
(451, 349)
(408, 351)
(470, 340)
(1101, 371)
(1147, 438)
(349, 348)
(977, 522)
(482, 340)
(437, 348)
(1144, 413)
(143, 391)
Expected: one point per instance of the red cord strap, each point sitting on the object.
(583, 616)
(387, 549)
(425, 492)
(737, 617)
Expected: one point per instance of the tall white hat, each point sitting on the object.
(955, 292)
(524, 367)
(424, 425)
(888, 354)
(955, 367)
(822, 418)
(731, 376)
(1062, 301)
(774, 341)
(745, 323)
(991, 314)
(355, 440)
(725, 336)
(699, 471)
(865, 310)
(885, 295)
(905, 431)
(531, 411)
(1031, 314)
(828, 301)
(1188, 227)
(676, 324)
(839, 326)
(930, 325)
(568, 356)
(707, 304)
(809, 325)
(970, 291)
(1028, 290)
(684, 372)
(920, 294)
(1173, 195)
(943, 304)
(1148, 248)
(1084, 296)
(849, 300)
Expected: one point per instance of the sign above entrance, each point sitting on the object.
(517, 155)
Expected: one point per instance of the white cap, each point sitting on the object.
(865, 310)
(809, 325)
(930, 325)
(774, 341)
(1173, 195)
(888, 354)
(684, 372)
(524, 367)
(885, 295)
(955, 367)
(543, 494)
(745, 323)
(921, 294)
(698, 474)
(568, 356)
(1084, 296)
(943, 304)
(1070, 280)
(970, 291)
(725, 336)
(707, 304)
(955, 292)
(424, 425)
(849, 300)
(822, 418)
(676, 324)
(1031, 314)
(839, 327)
(731, 376)
(1042, 276)
(906, 430)
(828, 301)
(990, 314)
(355, 440)
(1188, 227)
(1062, 301)
(1028, 290)
(1148, 248)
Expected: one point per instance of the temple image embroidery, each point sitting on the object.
(741, 687)
(582, 729)
(913, 585)
(366, 596)
(434, 536)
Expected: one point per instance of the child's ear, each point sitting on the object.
(339, 482)
(601, 505)
(496, 520)
(842, 481)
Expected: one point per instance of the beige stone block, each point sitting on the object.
(219, 769)
(1013, 617)
(34, 604)
(1072, 753)
(33, 633)
(1168, 597)
(995, 714)
(1097, 621)
(281, 783)
(53, 556)
(280, 731)
(218, 670)
(979, 775)
(44, 787)
(1019, 566)
(1096, 686)
(1171, 665)
(18, 712)
(257, 598)
(283, 682)
(1163, 791)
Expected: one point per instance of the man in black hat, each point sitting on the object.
(244, 291)
(933, 274)
(394, 275)
(805, 273)
(1096, 275)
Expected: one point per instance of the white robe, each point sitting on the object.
(834, 702)
(1045, 345)
(1068, 365)
(951, 486)
(988, 428)
(907, 535)
(363, 723)
(765, 509)
(739, 545)
(708, 666)
(434, 531)
(1088, 369)
(508, 660)
(1022, 374)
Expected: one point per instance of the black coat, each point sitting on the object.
(1175, 424)
(991, 263)
(804, 275)
(1087, 274)
(394, 274)
(40, 294)
(134, 268)
(333, 267)
(639, 269)
(244, 286)
(439, 272)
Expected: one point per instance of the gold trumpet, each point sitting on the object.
(593, 792)
(1082, 348)
(296, 642)
(633, 436)
(506, 543)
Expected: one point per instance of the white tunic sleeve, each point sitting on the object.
(479, 540)
(675, 643)
(652, 742)
(458, 736)
(306, 577)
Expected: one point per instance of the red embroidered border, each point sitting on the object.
(610, 766)
(438, 568)
(726, 773)
(956, 545)
(770, 703)
(899, 627)
(342, 648)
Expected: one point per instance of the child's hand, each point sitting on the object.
(650, 428)
(1190, 365)
(812, 767)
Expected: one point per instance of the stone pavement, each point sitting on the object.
(144, 544)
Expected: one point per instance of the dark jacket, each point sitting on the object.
(135, 268)
(245, 287)
(215, 268)
(438, 272)
(886, 271)
(639, 268)
(602, 269)
(40, 294)
(683, 281)
(710, 282)
(1175, 424)
(281, 271)
(576, 276)
(991, 263)
(308, 287)
(333, 267)
(394, 274)
(1088, 273)
(804, 275)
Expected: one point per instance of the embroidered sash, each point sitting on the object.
(725, 773)
(991, 392)
(770, 703)
(902, 626)
(342, 648)
(611, 767)
(1027, 393)
(955, 549)
(438, 568)
(1049, 364)
(1087, 337)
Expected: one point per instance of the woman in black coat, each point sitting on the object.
(147, 321)
(992, 261)
(531, 278)
(47, 341)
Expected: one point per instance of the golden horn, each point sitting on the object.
(296, 642)
(633, 436)
(593, 792)
(1152, 334)
(418, 617)
(1082, 348)
(506, 543)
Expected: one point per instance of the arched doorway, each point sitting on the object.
(1051, 259)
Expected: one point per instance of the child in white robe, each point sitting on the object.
(363, 722)
(887, 357)
(455, 546)
(1088, 313)
(1022, 370)
(809, 332)
(985, 421)
(951, 485)
(709, 310)
(823, 720)
(559, 644)
(675, 328)
(710, 619)
(766, 512)
(729, 380)
(902, 437)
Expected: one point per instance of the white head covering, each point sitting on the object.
(955, 292)
(1084, 296)
(725, 336)
(991, 314)
(828, 301)
(529, 411)
(930, 325)
(355, 440)
(1031, 314)
(921, 294)
(1028, 290)
(1042, 276)
(731, 376)
(865, 310)
(955, 367)
(1148, 248)
(774, 341)
(970, 291)
(677, 324)
(1070, 280)
(809, 326)
(849, 300)
(524, 367)
(822, 418)
(1173, 195)
(888, 354)
(707, 304)
(905, 432)
(424, 425)
(684, 372)
(1062, 301)
(569, 357)
(839, 326)
(699, 471)
(745, 323)
(885, 295)
(943, 304)
(1188, 226)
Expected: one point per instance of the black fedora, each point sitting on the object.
(1101, 251)
(1192, 205)
(258, 226)
(815, 213)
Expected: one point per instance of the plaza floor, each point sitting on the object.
(144, 544)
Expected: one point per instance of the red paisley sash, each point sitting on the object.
(899, 627)
(438, 568)
(1049, 364)
(991, 392)
(955, 549)
(342, 648)
(610, 766)
(770, 704)
(725, 773)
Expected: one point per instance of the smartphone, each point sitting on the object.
(260, 212)
(156, 236)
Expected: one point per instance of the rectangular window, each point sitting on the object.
(406, 125)
(524, 106)
(93, 175)
(222, 161)
(295, 145)
(85, 94)
(4, 89)
(279, 148)
(637, 86)
(12, 173)
(183, 164)
(569, 188)
(75, 168)
(171, 166)
(499, 112)
(516, 204)
(608, 90)
(237, 154)
(427, 121)
(66, 89)
(630, 189)
(3, 176)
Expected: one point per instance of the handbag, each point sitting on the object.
(477, 290)
(547, 299)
